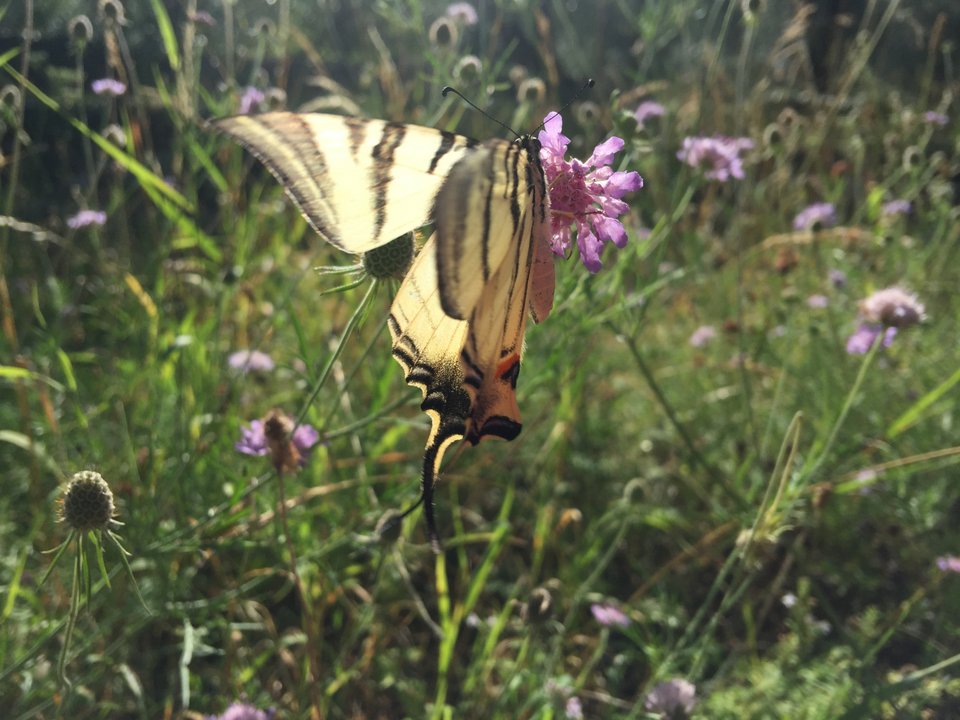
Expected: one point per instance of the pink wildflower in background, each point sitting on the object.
(702, 335)
(673, 699)
(949, 563)
(242, 711)
(585, 193)
(573, 709)
(85, 218)
(718, 156)
(250, 100)
(935, 118)
(865, 336)
(648, 109)
(108, 86)
(272, 436)
(462, 12)
(816, 217)
(893, 307)
(250, 361)
(202, 17)
(609, 616)
(838, 278)
(896, 207)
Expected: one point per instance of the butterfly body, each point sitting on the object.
(459, 317)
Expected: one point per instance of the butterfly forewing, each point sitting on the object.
(360, 183)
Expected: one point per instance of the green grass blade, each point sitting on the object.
(915, 411)
(167, 34)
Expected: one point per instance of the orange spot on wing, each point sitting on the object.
(506, 366)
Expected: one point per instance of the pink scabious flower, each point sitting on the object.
(202, 17)
(672, 699)
(893, 307)
(648, 109)
(573, 709)
(462, 12)
(242, 711)
(818, 301)
(586, 193)
(935, 118)
(108, 86)
(609, 616)
(949, 563)
(896, 207)
(250, 100)
(85, 218)
(702, 335)
(815, 217)
(866, 335)
(720, 155)
(250, 361)
(276, 436)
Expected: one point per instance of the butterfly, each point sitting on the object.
(459, 317)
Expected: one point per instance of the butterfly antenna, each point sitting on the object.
(587, 85)
(447, 89)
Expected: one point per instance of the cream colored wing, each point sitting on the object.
(360, 183)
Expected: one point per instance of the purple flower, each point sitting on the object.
(573, 709)
(949, 563)
(896, 207)
(672, 699)
(817, 302)
(720, 155)
(85, 218)
(462, 12)
(250, 100)
(893, 307)
(587, 193)
(648, 109)
(108, 86)
(250, 361)
(865, 336)
(838, 278)
(609, 616)
(702, 335)
(272, 436)
(202, 17)
(935, 118)
(815, 217)
(240, 711)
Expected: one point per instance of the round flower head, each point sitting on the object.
(586, 193)
(391, 260)
(272, 436)
(893, 307)
(816, 217)
(87, 502)
(719, 155)
(673, 698)
(609, 616)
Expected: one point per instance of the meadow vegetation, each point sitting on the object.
(725, 502)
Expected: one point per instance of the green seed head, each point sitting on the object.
(391, 260)
(88, 502)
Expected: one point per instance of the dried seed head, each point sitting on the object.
(532, 90)
(517, 74)
(588, 112)
(10, 98)
(443, 33)
(467, 69)
(111, 11)
(87, 503)
(539, 607)
(391, 260)
(80, 30)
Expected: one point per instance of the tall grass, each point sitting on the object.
(766, 509)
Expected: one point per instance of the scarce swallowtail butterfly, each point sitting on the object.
(458, 319)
